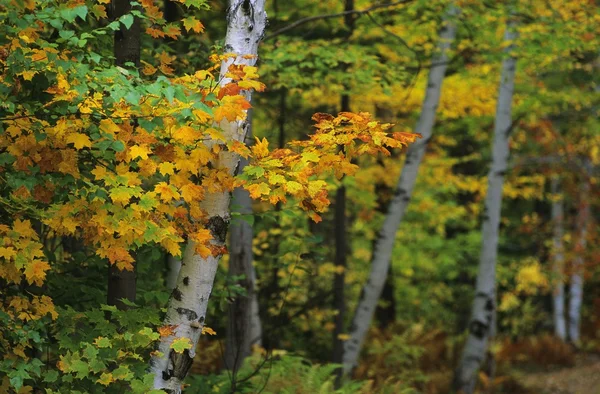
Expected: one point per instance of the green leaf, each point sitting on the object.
(50, 376)
(127, 20)
(179, 345)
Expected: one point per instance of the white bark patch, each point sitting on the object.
(484, 306)
(558, 262)
(576, 283)
(385, 242)
(246, 21)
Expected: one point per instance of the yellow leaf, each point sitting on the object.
(105, 379)
(99, 172)
(191, 192)
(208, 330)
(139, 151)
(166, 168)
(79, 140)
(240, 148)
(258, 190)
(293, 187)
(260, 149)
(167, 192)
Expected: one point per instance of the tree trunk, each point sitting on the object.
(122, 284)
(341, 235)
(244, 327)
(484, 305)
(385, 242)
(187, 305)
(558, 261)
(576, 284)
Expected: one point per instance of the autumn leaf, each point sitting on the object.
(79, 140)
(167, 330)
(257, 190)
(191, 23)
(180, 345)
(208, 330)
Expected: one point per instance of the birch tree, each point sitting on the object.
(481, 324)
(558, 295)
(186, 310)
(385, 241)
(576, 282)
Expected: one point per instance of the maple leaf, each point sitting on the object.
(240, 148)
(166, 168)
(79, 140)
(172, 31)
(232, 108)
(260, 149)
(168, 330)
(191, 23)
(35, 272)
(293, 187)
(179, 345)
(167, 192)
(187, 135)
(248, 84)
(191, 192)
(106, 379)
(208, 330)
(155, 33)
(258, 190)
(102, 342)
(139, 151)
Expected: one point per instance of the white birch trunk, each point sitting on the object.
(384, 244)
(244, 328)
(558, 262)
(484, 305)
(576, 283)
(246, 20)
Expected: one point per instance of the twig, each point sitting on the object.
(330, 16)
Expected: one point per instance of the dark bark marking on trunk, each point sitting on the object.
(190, 314)
(478, 329)
(186, 281)
(218, 228)
(177, 294)
(182, 362)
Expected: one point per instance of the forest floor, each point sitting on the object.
(582, 378)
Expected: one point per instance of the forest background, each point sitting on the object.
(354, 256)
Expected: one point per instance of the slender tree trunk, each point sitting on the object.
(244, 328)
(576, 284)
(484, 306)
(385, 313)
(558, 261)
(122, 284)
(385, 242)
(341, 236)
(186, 309)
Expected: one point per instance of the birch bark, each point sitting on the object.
(558, 295)
(186, 310)
(244, 327)
(576, 283)
(484, 305)
(385, 241)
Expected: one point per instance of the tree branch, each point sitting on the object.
(302, 21)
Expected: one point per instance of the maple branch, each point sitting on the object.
(302, 21)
